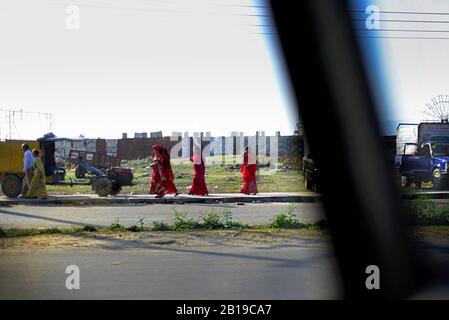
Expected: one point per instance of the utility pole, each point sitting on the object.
(10, 114)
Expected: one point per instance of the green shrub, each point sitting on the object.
(89, 229)
(160, 226)
(286, 219)
(428, 213)
(115, 226)
(2, 233)
(213, 221)
(180, 221)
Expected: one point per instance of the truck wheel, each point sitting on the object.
(80, 172)
(116, 188)
(405, 182)
(102, 186)
(437, 179)
(12, 186)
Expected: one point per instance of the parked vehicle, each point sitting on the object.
(104, 183)
(11, 166)
(422, 154)
(95, 159)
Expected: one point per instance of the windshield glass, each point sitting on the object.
(440, 149)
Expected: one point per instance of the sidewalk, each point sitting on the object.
(170, 199)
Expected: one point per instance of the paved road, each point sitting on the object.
(295, 271)
(21, 216)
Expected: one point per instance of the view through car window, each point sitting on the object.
(154, 150)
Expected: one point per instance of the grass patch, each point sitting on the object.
(220, 177)
(288, 220)
(14, 232)
(212, 220)
(89, 229)
(161, 226)
(115, 226)
(424, 212)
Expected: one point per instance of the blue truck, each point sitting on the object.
(422, 154)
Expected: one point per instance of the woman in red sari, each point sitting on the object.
(162, 176)
(199, 183)
(248, 171)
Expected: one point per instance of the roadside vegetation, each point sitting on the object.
(211, 220)
(425, 217)
(425, 212)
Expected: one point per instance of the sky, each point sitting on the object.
(408, 61)
(105, 67)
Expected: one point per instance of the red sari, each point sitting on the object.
(199, 183)
(248, 176)
(162, 176)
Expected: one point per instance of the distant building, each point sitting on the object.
(157, 134)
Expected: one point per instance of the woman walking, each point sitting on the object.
(37, 186)
(248, 171)
(199, 183)
(162, 176)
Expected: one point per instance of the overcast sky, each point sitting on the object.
(141, 66)
(413, 66)
(196, 65)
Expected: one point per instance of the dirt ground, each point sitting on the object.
(130, 240)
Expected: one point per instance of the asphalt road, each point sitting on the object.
(290, 271)
(22, 216)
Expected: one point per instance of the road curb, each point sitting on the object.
(166, 200)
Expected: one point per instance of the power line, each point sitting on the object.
(400, 30)
(10, 119)
(406, 21)
(405, 12)
(403, 37)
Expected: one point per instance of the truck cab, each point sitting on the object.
(427, 162)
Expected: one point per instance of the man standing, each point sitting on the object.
(28, 161)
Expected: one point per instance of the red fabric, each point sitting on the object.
(162, 176)
(157, 147)
(199, 183)
(248, 176)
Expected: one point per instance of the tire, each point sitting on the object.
(102, 186)
(80, 172)
(438, 181)
(12, 186)
(405, 182)
(116, 188)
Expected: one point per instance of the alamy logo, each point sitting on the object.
(73, 280)
(373, 280)
(372, 22)
(72, 22)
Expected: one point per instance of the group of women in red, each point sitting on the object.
(162, 177)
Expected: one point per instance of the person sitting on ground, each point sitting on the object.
(37, 186)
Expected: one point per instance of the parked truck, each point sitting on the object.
(422, 154)
(104, 183)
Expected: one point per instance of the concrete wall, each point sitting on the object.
(138, 148)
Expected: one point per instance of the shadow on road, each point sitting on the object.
(123, 244)
(32, 216)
